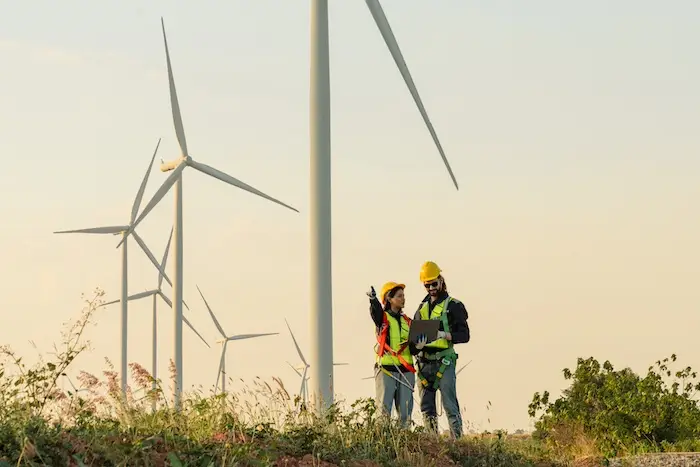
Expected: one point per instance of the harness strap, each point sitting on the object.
(448, 358)
(384, 347)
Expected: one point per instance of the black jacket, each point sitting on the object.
(457, 317)
(376, 311)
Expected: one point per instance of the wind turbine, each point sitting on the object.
(155, 293)
(226, 339)
(175, 178)
(302, 371)
(124, 230)
(320, 155)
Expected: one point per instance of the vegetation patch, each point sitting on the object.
(603, 414)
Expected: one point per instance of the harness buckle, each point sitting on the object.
(446, 361)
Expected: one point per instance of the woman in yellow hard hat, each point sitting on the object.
(394, 371)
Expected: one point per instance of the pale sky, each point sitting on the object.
(571, 128)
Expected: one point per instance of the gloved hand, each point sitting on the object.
(371, 293)
(422, 340)
(444, 335)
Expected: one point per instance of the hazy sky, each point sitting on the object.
(571, 127)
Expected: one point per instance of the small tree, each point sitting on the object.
(621, 410)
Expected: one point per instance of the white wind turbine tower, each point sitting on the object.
(320, 155)
(124, 230)
(155, 293)
(303, 370)
(221, 373)
(175, 178)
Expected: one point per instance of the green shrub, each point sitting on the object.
(620, 410)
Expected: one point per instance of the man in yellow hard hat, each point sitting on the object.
(394, 371)
(436, 360)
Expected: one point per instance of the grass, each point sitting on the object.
(91, 425)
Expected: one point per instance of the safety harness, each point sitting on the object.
(447, 356)
(384, 346)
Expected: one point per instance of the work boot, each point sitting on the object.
(430, 423)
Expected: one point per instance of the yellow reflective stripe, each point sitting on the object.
(398, 334)
(437, 315)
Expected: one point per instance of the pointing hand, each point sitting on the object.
(371, 293)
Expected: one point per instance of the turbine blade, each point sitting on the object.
(213, 317)
(174, 104)
(168, 301)
(184, 318)
(221, 364)
(162, 191)
(145, 294)
(250, 336)
(165, 298)
(142, 188)
(161, 274)
(137, 296)
(301, 355)
(295, 370)
(111, 303)
(304, 384)
(111, 229)
(189, 325)
(144, 247)
(235, 182)
(385, 29)
(463, 367)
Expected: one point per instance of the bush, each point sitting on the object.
(621, 411)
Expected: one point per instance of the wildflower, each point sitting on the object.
(141, 376)
(88, 380)
(112, 385)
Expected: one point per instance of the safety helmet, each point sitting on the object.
(388, 287)
(429, 271)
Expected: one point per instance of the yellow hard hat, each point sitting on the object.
(429, 271)
(389, 286)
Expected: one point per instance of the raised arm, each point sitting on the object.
(375, 308)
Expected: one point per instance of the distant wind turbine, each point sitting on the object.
(221, 373)
(303, 370)
(123, 230)
(175, 178)
(155, 293)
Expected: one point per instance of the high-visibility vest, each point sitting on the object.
(397, 354)
(439, 313)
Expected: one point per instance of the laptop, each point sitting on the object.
(429, 327)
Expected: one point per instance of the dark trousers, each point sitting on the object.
(448, 391)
